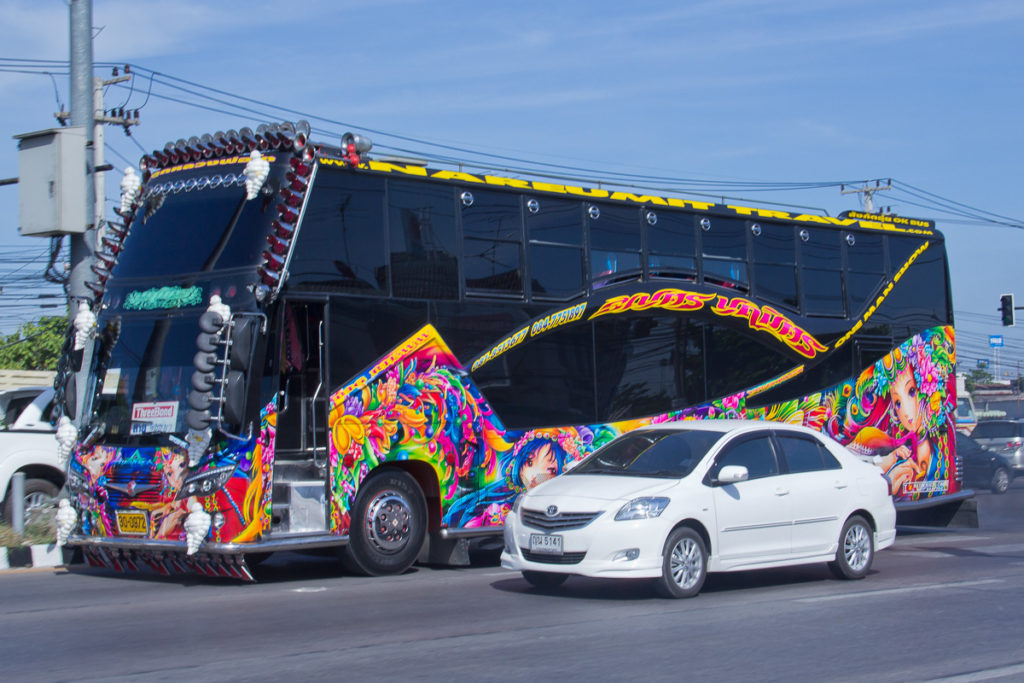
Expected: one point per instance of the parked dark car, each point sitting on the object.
(983, 467)
(1005, 437)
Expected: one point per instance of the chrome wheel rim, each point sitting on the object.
(38, 507)
(686, 563)
(389, 521)
(857, 547)
(1002, 480)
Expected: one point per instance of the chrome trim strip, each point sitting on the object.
(816, 520)
(472, 532)
(272, 545)
(751, 527)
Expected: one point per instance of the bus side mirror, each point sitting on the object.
(243, 338)
(71, 396)
(204, 378)
(233, 399)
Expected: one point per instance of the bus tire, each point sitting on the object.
(389, 523)
(856, 550)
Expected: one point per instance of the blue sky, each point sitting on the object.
(928, 93)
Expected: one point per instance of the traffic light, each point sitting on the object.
(1006, 309)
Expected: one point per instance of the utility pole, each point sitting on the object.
(83, 246)
(868, 192)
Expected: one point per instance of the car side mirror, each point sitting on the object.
(730, 474)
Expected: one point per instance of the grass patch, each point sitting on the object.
(41, 532)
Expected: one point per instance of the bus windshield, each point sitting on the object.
(197, 222)
(145, 387)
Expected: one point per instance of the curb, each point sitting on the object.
(25, 556)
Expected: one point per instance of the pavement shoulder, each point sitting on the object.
(23, 556)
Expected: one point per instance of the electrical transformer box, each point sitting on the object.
(51, 182)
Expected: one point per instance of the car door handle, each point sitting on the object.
(781, 492)
(841, 485)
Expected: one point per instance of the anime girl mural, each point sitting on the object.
(536, 456)
(899, 411)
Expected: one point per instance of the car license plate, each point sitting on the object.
(546, 543)
(132, 522)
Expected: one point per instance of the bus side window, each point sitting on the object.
(737, 361)
(723, 252)
(865, 269)
(555, 258)
(821, 271)
(614, 233)
(920, 299)
(492, 242)
(340, 246)
(672, 247)
(648, 363)
(774, 263)
(424, 254)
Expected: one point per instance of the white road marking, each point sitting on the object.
(986, 675)
(917, 553)
(904, 589)
(310, 589)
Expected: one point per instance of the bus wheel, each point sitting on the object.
(389, 523)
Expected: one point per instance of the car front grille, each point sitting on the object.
(563, 521)
(548, 558)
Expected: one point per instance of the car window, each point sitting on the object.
(966, 443)
(15, 407)
(651, 453)
(804, 454)
(756, 454)
(996, 430)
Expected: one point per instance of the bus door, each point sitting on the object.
(300, 457)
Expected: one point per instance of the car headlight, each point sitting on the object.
(515, 505)
(642, 508)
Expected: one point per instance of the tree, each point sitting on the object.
(35, 346)
(975, 377)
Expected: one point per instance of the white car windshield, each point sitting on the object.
(651, 453)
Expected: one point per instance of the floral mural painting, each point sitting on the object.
(418, 403)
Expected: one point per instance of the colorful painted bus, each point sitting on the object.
(302, 346)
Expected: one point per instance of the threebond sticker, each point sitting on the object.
(154, 418)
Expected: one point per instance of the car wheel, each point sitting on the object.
(1000, 480)
(389, 523)
(39, 497)
(856, 550)
(544, 579)
(684, 565)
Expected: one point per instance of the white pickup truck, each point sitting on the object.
(27, 444)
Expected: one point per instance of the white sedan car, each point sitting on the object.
(674, 501)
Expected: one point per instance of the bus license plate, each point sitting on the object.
(132, 522)
(546, 543)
